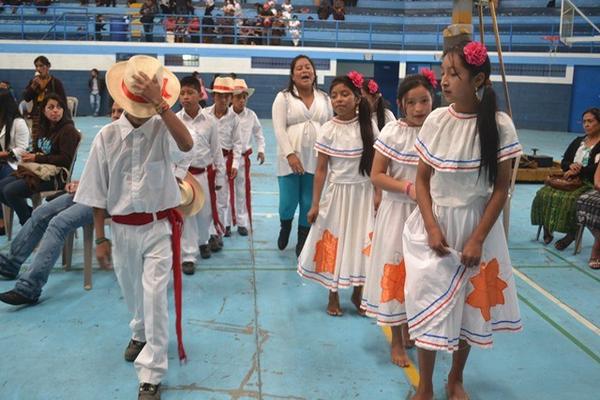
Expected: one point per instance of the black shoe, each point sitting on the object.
(188, 267)
(227, 231)
(243, 231)
(213, 244)
(149, 391)
(133, 349)
(15, 299)
(7, 276)
(284, 233)
(205, 251)
(302, 234)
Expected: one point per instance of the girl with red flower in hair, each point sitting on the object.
(394, 170)
(337, 248)
(380, 112)
(459, 288)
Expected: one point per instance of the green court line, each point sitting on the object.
(541, 266)
(562, 330)
(524, 248)
(597, 279)
(200, 269)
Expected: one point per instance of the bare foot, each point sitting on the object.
(399, 356)
(456, 391)
(333, 306)
(356, 298)
(422, 396)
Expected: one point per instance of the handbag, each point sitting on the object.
(558, 181)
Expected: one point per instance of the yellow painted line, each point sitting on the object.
(411, 371)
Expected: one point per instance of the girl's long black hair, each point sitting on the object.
(290, 86)
(487, 128)
(409, 83)
(364, 120)
(9, 110)
(380, 105)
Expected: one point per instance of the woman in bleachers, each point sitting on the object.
(38, 88)
(51, 159)
(14, 138)
(554, 209)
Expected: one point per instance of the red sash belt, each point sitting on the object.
(228, 154)
(176, 221)
(246, 156)
(212, 188)
(196, 171)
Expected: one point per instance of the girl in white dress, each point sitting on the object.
(298, 113)
(380, 114)
(459, 285)
(336, 250)
(394, 170)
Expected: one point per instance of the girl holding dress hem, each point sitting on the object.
(394, 170)
(338, 244)
(459, 285)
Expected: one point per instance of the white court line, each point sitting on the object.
(588, 324)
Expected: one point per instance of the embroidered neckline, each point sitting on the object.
(350, 121)
(459, 115)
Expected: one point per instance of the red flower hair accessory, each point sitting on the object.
(430, 76)
(356, 78)
(373, 86)
(475, 53)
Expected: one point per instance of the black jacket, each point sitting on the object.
(587, 173)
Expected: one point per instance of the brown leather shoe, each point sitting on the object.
(149, 391)
(133, 349)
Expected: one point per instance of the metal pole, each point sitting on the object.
(500, 59)
(481, 30)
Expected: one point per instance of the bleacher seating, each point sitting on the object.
(373, 23)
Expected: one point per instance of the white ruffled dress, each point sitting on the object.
(336, 250)
(383, 295)
(445, 301)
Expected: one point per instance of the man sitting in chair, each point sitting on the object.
(49, 226)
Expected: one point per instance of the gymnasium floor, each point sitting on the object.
(254, 330)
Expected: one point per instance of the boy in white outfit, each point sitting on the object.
(249, 127)
(228, 125)
(130, 175)
(207, 166)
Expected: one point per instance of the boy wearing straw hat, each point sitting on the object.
(228, 125)
(249, 127)
(130, 175)
(208, 168)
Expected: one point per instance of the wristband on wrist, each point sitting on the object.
(407, 189)
(102, 240)
(161, 107)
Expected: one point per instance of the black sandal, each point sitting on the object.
(563, 243)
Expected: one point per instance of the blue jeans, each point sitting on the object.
(295, 190)
(5, 170)
(49, 226)
(14, 193)
(95, 103)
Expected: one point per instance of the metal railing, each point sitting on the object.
(78, 23)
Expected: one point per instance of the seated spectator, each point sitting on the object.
(277, 29)
(339, 13)
(208, 23)
(99, 24)
(147, 13)
(180, 30)
(287, 8)
(54, 148)
(170, 23)
(194, 30)
(554, 209)
(324, 10)
(225, 27)
(294, 30)
(588, 215)
(167, 6)
(14, 138)
(47, 229)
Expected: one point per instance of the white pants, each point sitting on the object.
(241, 212)
(223, 204)
(143, 258)
(195, 228)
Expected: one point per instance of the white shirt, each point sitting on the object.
(130, 170)
(250, 126)
(207, 148)
(228, 127)
(296, 128)
(19, 138)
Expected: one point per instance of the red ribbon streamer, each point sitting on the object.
(176, 220)
(228, 154)
(246, 156)
(212, 188)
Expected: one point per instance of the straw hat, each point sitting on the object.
(239, 86)
(222, 84)
(119, 81)
(192, 196)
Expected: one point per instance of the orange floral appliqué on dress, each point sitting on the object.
(325, 253)
(367, 250)
(488, 289)
(392, 282)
